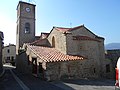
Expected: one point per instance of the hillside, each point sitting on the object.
(112, 46)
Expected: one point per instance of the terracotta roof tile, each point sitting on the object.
(51, 54)
(40, 42)
(62, 29)
(84, 38)
(67, 29)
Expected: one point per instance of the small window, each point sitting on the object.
(94, 70)
(12, 58)
(27, 28)
(107, 68)
(8, 58)
(28, 60)
(8, 50)
(53, 42)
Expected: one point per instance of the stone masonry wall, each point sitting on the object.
(60, 40)
(71, 70)
(91, 49)
(65, 70)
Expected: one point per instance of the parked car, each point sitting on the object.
(117, 84)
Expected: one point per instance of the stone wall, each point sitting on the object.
(93, 50)
(108, 74)
(111, 58)
(60, 40)
(70, 70)
(22, 63)
(24, 17)
(64, 70)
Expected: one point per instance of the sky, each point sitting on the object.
(102, 17)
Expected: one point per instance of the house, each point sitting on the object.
(61, 54)
(9, 54)
(111, 58)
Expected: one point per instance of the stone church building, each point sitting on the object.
(63, 53)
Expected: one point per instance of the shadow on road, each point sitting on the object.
(37, 84)
(93, 82)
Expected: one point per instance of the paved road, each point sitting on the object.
(7, 82)
(86, 84)
(34, 83)
(13, 80)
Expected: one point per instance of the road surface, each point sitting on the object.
(12, 80)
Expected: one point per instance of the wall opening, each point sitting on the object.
(27, 28)
(34, 65)
(53, 42)
(40, 68)
(107, 68)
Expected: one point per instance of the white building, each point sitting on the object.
(9, 54)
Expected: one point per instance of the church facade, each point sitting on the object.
(61, 54)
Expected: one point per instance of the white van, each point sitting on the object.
(117, 84)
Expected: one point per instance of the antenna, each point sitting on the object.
(29, 1)
(70, 25)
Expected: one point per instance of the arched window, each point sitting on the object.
(53, 41)
(27, 27)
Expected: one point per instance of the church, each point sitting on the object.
(64, 53)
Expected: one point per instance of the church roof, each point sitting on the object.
(66, 30)
(84, 38)
(39, 42)
(48, 54)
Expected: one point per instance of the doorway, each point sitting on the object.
(34, 65)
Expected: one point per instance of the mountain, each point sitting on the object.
(111, 46)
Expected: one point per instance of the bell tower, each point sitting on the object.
(25, 32)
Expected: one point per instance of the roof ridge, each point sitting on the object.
(68, 29)
(37, 41)
(63, 27)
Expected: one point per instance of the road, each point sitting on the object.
(17, 81)
(13, 80)
(86, 84)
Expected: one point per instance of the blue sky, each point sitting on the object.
(102, 17)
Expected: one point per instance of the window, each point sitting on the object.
(8, 58)
(53, 41)
(94, 70)
(27, 27)
(12, 58)
(28, 60)
(8, 50)
(107, 68)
